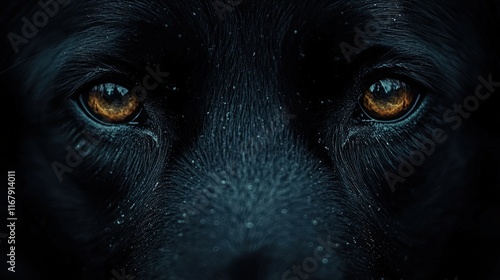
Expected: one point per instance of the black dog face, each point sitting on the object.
(254, 139)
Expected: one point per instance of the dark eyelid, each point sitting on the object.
(76, 75)
(95, 78)
(410, 79)
(380, 62)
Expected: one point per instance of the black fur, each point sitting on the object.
(253, 151)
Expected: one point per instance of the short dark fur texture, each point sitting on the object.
(254, 148)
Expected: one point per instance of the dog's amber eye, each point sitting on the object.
(112, 103)
(387, 99)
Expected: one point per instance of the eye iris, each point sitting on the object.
(387, 99)
(112, 103)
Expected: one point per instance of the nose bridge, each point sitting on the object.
(258, 221)
(243, 78)
(255, 162)
(245, 118)
(244, 96)
(254, 191)
(250, 181)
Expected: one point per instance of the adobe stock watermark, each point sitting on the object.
(309, 265)
(75, 155)
(371, 29)
(151, 81)
(223, 7)
(455, 117)
(39, 20)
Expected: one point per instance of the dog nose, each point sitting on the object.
(251, 266)
(259, 266)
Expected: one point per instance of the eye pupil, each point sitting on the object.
(112, 103)
(112, 93)
(387, 99)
